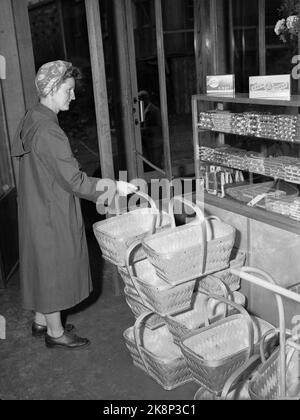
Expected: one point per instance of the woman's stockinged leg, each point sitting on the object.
(40, 319)
(54, 324)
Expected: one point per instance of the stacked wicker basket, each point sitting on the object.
(179, 287)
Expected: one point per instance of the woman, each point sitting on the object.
(54, 265)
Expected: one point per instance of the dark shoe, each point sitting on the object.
(39, 331)
(67, 340)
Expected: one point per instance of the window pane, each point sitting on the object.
(278, 53)
(246, 51)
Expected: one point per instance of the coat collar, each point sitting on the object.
(47, 112)
(28, 127)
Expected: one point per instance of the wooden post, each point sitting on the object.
(163, 91)
(262, 36)
(12, 86)
(218, 37)
(100, 89)
(62, 27)
(203, 44)
(231, 37)
(25, 50)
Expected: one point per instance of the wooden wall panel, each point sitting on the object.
(25, 50)
(100, 89)
(12, 85)
(277, 252)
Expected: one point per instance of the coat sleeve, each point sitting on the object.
(53, 148)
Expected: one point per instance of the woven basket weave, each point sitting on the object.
(184, 323)
(214, 283)
(265, 384)
(142, 281)
(213, 353)
(183, 253)
(116, 234)
(155, 353)
(138, 308)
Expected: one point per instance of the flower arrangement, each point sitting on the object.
(288, 27)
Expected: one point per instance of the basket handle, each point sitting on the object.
(229, 385)
(199, 214)
(262, 345)
(157, 218)
(239, 309)
(227, 293)
(280, 307)
(200, 219)
(129, 269)
(137, 337)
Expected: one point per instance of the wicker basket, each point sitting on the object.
(116, 234)
(138, 308)
(184, 323)
(187, 252)
(265, 384)
(157, 295)
(155, 353)
(214, 283)
(213, 353)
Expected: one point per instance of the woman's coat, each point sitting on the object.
(54, 264)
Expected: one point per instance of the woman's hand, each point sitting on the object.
(125, 188)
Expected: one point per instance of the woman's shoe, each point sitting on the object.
(67, 340)
(39, 331)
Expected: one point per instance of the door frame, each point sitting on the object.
(129, 92)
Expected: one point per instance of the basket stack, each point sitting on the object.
(160, 265)
(265, 384)
(191, 251)
(215, 352)
(155, 353)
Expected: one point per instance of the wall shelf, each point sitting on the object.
(215, 137)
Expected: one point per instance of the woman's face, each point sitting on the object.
(63, 96)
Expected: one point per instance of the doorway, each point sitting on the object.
(159, 40)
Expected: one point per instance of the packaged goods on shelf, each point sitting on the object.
(246, 193)
(295, 209)
(258, 124)
(256, 163)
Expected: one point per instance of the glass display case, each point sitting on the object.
(248, 153)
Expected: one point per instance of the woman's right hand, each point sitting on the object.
(125, 188)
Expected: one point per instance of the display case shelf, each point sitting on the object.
(243, 98)
(221, 138)
(247, 135)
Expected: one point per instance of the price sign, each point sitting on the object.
(222, 85)
(270, 87)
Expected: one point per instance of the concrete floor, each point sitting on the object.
(104, 371)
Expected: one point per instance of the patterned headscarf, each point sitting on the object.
(50, 75)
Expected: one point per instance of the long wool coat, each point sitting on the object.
(54, 264)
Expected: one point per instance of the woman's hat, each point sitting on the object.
(50, 75)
